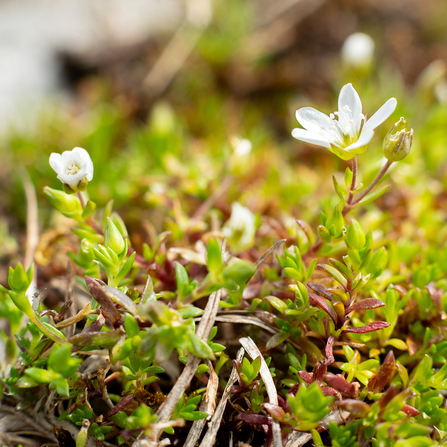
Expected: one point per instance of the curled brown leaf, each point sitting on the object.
(370, 327)
(383, 375)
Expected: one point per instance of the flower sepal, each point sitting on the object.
(73, 189)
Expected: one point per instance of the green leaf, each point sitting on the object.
(336, 274)
(324, 234)
(397, 343)
(88, 209)
(292, 273)
(200, 348)
(277, 303)
(335, 222)
(348, 178)
(61, 361)
(26, 382)
(239, 271)
(125, 269)
(54, 331)
(61, 385)
(85, 234)
(214, 257)
(374, 195)
(39, 375)
(190, 312)
(338, 189)
(131, 326)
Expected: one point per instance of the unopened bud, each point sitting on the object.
(354, 236)
(397, 143)
(68, 205)
(113, 238)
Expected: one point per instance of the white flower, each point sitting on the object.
(240, 229)
(346, 132)
(241, 146)
(74, 168)
(358, 51)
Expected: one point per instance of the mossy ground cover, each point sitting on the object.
(214, 268)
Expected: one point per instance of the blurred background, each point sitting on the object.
(176, 99)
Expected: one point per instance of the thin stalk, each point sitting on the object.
(318, 244)
(351, 204)
(379, 177)
(354, 179)
(81, 199)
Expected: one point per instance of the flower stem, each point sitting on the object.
(81, 199)
(354, 179)
(318, 244)
(379, 177)
(351, 203)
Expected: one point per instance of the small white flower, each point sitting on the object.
(240, 229)
(241, 146)
(358, 51)
(346, 132)
(74, 168)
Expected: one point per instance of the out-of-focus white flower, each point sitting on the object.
(240, 229)
(358, 51)
(242, 146)
(74, 169)
(346, 132)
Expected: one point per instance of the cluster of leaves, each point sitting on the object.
(357, 304)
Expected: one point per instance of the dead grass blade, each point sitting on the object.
(166, 410)
(245, 320)
(213, 426)
(254, 352)
(73, 320)
(208, 406)
(298, 439)
(268, 253)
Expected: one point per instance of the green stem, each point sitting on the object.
(351, 203)
(44, 329)
(379, 177)
(354, 179)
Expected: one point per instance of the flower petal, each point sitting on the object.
(82, 152)
(55, 162)
(310, 137)
(349, 98)
(90, 171)
(381, 115)
(313, 120)
(87, 160)
(363, 140)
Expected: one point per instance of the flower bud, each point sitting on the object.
(113, 238)
(354, 236)
(69, 206)
(397, 143)
(18, 279)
